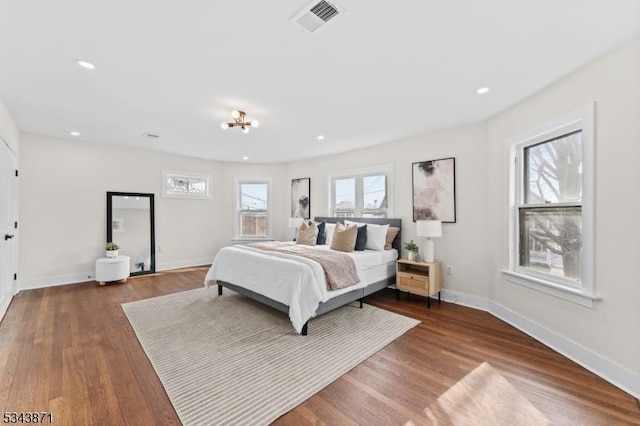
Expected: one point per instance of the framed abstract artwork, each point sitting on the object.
(301, 198)
(434, 190)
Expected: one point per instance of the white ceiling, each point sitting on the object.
(379, 71)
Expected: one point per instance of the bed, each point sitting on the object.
(297, 286)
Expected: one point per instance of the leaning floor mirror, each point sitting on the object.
(130, 224)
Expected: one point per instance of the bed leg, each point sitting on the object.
(360, 300)
(219, 290)
(304, 329)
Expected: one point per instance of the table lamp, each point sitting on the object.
(429, 229)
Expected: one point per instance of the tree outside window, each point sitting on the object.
(551, 214)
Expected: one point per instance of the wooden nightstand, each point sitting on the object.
(420, 278)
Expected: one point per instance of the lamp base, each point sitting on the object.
(429, 251)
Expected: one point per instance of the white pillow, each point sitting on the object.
(376, 235)
(329, 228)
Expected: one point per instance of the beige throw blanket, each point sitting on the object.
(339, 268)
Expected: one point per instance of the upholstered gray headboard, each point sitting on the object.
(397, 242)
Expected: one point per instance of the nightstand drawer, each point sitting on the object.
(409, 281)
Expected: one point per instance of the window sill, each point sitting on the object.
(548, 287)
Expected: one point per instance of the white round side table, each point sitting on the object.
(109, 269)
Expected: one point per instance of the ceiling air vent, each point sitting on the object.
(315, 15)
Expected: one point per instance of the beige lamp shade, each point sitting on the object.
(429, 228)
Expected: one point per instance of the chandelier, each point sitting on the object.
(240, 120)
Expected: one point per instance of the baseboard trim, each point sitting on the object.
(57, 280)
(612, 372)
(82, 277)
(469, 300)
(184, 263)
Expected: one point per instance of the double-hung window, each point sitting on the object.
(364, 192)
(253, 218)
(551, 210)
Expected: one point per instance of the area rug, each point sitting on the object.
(484, 397)
(230, 360)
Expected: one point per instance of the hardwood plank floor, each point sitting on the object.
(70, 350)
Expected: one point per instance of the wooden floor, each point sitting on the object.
(70, 350)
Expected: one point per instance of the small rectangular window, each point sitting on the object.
(253, 218)
(185, 185)
(551, 231)
(361, 193)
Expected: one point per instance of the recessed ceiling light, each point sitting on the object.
(483, 90)
(245, 158)
(87, 65)
(74, 133)
(320, 137)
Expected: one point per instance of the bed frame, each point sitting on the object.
(338, 301)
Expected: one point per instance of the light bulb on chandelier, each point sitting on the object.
(240, 120)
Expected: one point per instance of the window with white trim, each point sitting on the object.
(185, 185)
(253, 219)
(551, 209)
(363, 192)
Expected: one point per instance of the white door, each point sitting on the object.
(8, 225)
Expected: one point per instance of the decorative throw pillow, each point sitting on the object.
(376, 235)
(307, 234)
(329, 229)
(361, 239)
(322, 233)
(391, 235)
(344, 239)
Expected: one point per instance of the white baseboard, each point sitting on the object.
(184, 263)
(612, 372)
(81, 277)
(57, 280)
(470, 300)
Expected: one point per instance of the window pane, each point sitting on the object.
(374, 214)
(345, 194)
(254, 196)
(254, 224)
(374, 192)
(341, 213)
(551, 241)
(553, 170)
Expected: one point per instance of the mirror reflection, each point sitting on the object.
(130, 225)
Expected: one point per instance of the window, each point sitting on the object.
(253, 219)
(361, 193)
(185, 185)
(551, 220)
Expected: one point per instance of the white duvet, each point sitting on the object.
(295, 281)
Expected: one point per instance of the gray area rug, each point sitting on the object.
(229, 360)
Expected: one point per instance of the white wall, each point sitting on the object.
(8, 129)
(63, 206)
(463, 245)
(607, 333)
(63, 185)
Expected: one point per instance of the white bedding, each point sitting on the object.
(295, 281)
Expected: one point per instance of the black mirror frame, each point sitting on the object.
(151, 197)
